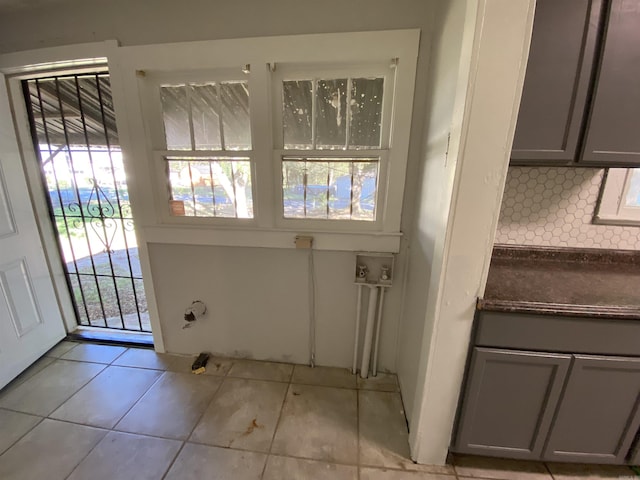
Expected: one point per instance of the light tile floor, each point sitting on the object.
(97, 412)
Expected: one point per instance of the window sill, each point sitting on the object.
(271, 238)
(616, 221)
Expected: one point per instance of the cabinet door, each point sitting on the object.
(612, 133)
(634, 458)
(598, 416)
(509, 402)
(557, 81)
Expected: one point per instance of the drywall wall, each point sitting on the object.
(257, 310)
(480, 152)
(434, 183)
(553, 207)
(139, 22)
(177, 271)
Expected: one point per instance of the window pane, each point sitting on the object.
(365, 185)
(206, 120)
(297, 114)
(175, 114)
(340, 194)
(330, 188)
(235, 115)
(331, 113)
(293, 180)
(317, 189)
(210, 187)
(366, 112)
(633, 193)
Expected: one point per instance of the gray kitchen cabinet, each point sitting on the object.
(634, 459)
(552, 387)
(598, 415)
(509, 402)
(611, 137)
(557, 82)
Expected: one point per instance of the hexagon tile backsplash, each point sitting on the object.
(554, 207)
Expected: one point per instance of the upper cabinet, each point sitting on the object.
(581, 98)
(612, 134)
(557, 81)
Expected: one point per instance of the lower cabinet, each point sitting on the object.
(635, 456)
(598, 415)
(509, 402)
(548, 406)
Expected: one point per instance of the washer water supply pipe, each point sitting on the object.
(373, 315)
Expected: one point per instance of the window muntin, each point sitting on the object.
(333, 123)
(332, 113)
(206, 116)
(218, 187)
(204, 124)
(333, 188)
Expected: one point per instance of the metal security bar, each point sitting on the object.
(74, 132)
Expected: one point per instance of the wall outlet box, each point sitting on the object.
(303, 241)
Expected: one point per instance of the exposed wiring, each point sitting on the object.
(312, 311)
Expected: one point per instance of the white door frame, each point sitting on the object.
(27, 64)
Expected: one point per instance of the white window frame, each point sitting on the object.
(150, 95)
(611, 207)
(306, 72)
(132, 67)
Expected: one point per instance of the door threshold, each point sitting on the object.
(111, 336)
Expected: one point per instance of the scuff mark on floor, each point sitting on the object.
(252, 426)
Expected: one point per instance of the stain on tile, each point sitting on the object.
(243, 414)
(319, 423)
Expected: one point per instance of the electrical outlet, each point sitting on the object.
(303, 241)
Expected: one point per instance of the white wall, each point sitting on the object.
(255, 310)
(177, 271)
(139, 22)
(479, 151)
(433, 184)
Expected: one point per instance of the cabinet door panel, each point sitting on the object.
(612, 132)
(557, 81)
(598, 415)
(509, 401)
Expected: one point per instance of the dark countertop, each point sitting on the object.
(584, 282)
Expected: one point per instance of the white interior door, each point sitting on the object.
(30, 319)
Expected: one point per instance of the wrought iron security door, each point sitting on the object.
(74, 132)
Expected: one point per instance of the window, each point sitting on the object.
(206, 147)
(332, 139)
(252, 141)
(620, 197)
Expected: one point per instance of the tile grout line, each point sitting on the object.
(88, 453)
(195, 425)
(173, 460)
(42, 419)
(223, 376)
(275, 430)
(107, 430)
(78, 389)
(112, 428)
(551, 476)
